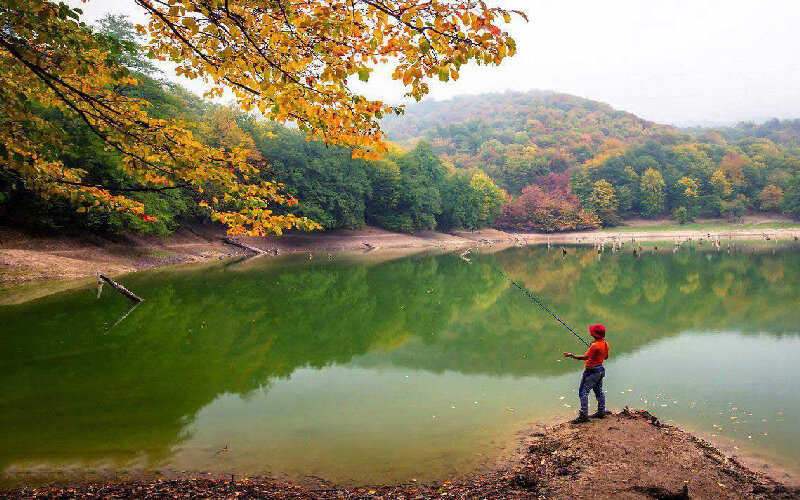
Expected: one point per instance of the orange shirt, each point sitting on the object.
(597, 353)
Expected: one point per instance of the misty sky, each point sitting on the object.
(676, 61)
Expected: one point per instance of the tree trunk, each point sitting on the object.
(242, 245)
(121, 289)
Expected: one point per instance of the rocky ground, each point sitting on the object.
(630, 455)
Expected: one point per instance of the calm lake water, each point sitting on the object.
(362, 370)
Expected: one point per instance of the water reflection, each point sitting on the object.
(242, 348)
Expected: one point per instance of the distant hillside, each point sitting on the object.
(786, 132)
(518, 137)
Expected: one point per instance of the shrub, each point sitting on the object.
(682, 215)
(734, 210)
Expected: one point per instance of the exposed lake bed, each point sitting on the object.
(30, 260)
(373, 372)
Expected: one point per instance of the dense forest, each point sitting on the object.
(535, 161)
(516, 137)
(572, 163)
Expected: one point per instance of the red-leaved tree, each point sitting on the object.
(548, 206)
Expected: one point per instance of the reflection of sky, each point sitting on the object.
(351, 423)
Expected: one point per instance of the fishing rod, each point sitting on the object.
(530, 295)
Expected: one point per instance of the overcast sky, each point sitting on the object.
(675, 61)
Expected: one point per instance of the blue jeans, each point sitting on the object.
(592, 381)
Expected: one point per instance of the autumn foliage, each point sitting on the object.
(290, 60)
(548, 207)
(771, 198)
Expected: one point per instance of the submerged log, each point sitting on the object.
(121, 289)
(243, 246)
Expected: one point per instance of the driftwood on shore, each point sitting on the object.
(121, 289)
(243, 246)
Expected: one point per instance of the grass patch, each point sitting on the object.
(704, 226)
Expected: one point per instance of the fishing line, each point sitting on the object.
(531, 296)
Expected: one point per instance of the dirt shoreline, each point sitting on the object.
(629, 455)
(35, 264)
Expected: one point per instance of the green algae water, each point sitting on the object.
(362, 370)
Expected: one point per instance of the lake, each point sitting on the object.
(371, 369)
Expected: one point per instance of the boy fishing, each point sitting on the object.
(598, 352)
(592, 379)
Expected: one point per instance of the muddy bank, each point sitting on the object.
(27, 257)
(630, 455)
(641, 235)
(31, 257)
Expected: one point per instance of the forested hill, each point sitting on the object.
(517, 137)
(572, 163)
(786, 132)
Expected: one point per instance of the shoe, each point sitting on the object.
(582, 417)
(598, 414)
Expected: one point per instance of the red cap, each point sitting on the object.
(597, 331)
